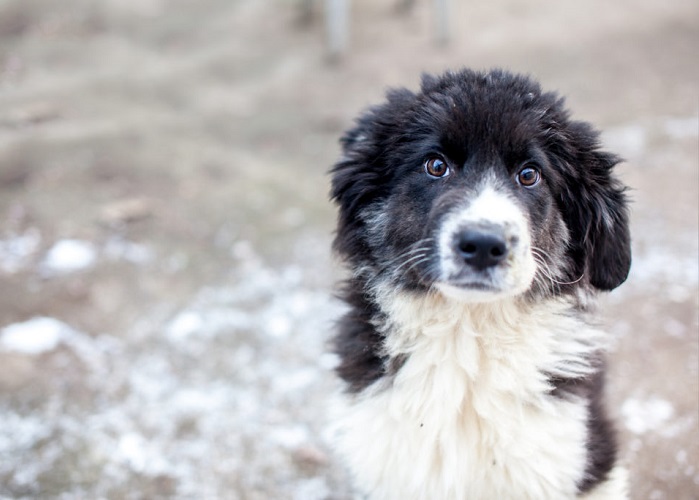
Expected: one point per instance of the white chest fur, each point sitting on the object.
(468, 415)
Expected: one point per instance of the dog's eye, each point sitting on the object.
(529, 176)
(436, 167)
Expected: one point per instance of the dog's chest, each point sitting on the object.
(467, 416)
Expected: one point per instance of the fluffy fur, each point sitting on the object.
(478, 221)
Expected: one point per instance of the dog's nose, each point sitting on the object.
(481, 249)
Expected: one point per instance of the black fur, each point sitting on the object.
(479, 122)
(359, 346)
(602, 441)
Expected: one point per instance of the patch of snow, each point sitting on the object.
(243, 250)
(290, 437)
(671, 267)
(296, 381)
(34, 336)
(68, 256)
(205, 322)
(641, 416)
(328, 361)
(18, 432)
(188, 401)
(135, 451)
(41, 335)
(17, 251)
(130, 449)
(315, 488)
(205, 400)
(278, 326)
(135, 253)
(185, 324)
(656, 263)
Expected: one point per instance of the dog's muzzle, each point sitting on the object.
(485, 248)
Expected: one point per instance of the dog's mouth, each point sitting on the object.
(478, 286)
(470, 290)
(462, 273)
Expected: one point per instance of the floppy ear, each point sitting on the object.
(595, 208)
(607, 242)
(359, 178)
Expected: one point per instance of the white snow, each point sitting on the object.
(645, 415)
(219, 395)
(290, 437)
(315, 488)
(656, 263)
(16, 251)
(134, 450)
(35, 336)
(129, 251)
(215, 397)
(278, 326)
(69, 255)
(185, 324)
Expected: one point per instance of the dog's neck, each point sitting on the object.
(516, 335)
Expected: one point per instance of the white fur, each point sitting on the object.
(615, 487)
(468, 416)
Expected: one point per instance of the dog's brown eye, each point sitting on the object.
(436, 167)
(528, 176)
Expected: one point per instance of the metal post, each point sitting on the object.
(442, 12)
(337, 21)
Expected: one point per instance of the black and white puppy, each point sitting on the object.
(478, 221)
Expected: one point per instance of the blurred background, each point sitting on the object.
(165, 272)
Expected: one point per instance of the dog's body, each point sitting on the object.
(478, 221)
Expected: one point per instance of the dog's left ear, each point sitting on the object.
(595, 205)
(607, 242)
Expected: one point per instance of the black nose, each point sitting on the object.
(481, 249)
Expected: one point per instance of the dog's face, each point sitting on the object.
(479, 186)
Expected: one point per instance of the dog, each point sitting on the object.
(478, 221)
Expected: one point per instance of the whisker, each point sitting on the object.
(414, 251)
(430, 276)
(546, 268)
(407, 261)
(544, 273)
(414, 264)
(402, 257)
(571, 282)
(420, 245)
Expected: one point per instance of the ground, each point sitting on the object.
(165, 273)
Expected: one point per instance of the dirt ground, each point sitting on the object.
(165, 274)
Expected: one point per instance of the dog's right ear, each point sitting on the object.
(360, 176)
(377, 124)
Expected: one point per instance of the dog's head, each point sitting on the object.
(481, 186)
